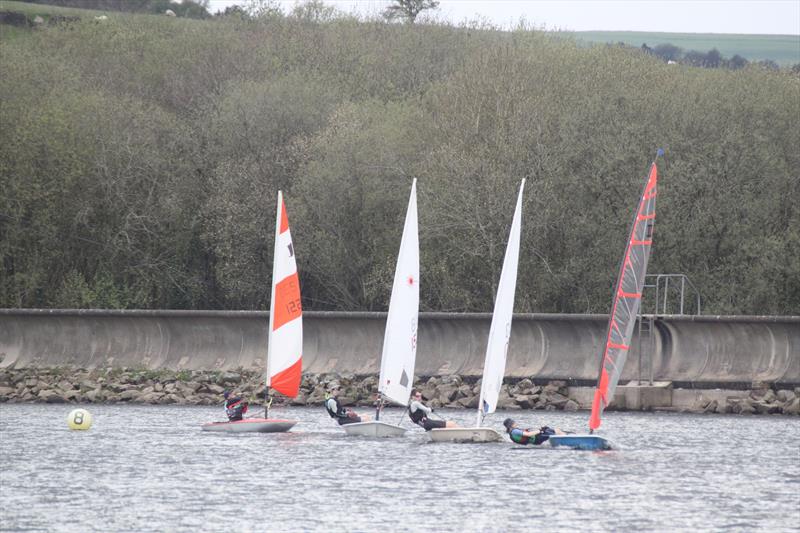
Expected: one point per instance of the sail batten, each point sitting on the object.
(285, 337)
(500, 330)
(400, 337)
(627, 298)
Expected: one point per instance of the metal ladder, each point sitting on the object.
(647, 321)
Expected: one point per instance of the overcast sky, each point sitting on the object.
(692, 16)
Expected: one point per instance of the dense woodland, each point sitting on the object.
(140, 158)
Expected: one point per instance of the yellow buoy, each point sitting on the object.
(79, 419)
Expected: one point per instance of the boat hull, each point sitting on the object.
(465, 435)
(375, 429)
(251, 425)
(580, 442)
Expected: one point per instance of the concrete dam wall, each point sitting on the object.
(684, 349)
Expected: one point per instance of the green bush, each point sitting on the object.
(140, 159)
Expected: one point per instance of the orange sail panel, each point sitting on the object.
(287, 381)
(285, 346)
(627, 299)
(287, 301)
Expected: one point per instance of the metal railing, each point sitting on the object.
(647, 321)
(679, 284)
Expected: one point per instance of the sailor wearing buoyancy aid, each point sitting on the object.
(337, 411)
(526, 436)
(420, 413)
(235, 407)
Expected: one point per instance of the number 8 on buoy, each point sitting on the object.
(79, 419)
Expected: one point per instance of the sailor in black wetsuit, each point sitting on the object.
(338, 412)
(419, 414)
(526, 436)
(235, 407)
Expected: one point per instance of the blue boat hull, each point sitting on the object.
(579, 442)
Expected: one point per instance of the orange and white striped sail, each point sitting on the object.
(284, 352)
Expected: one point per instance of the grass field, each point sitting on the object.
(45, 11)
(783, 49)
(10, 33)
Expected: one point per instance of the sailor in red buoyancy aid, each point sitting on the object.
(235, 407)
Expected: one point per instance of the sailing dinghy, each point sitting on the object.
(285, 342)
(497, 346)
(400, 338)
(624, 310)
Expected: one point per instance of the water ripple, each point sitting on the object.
(150, 468)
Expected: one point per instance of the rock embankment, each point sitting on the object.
(762, 399)
(205, 388)
(115, 385)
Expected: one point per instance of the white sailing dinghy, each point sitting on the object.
(285, 341)
(400, 338)
(497, 346)
(624, 310)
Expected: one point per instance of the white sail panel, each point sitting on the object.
(285, 346)
(400, 339)
(500, 330)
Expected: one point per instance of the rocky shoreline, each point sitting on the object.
(124, 385)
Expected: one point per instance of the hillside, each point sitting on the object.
(783, 49)
(140, 158)
(46, 11)
(17, 18)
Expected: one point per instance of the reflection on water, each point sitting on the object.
(150, 468)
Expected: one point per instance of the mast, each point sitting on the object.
(500, 330)
(627, 297)
(267, 397)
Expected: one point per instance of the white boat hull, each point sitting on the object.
(580, 442)
(251, 425)
(373, 429)
(463, 435)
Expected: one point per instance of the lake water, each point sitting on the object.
(150, 468)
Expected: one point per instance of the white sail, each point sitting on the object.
(285, 346)
(400, 339)
(500, 330)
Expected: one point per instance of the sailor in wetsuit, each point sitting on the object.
(338, 412)
(419, 414)
(235, 407)
(526, 436)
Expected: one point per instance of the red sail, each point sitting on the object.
(627, 299)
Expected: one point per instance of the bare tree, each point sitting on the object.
(409, 9)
